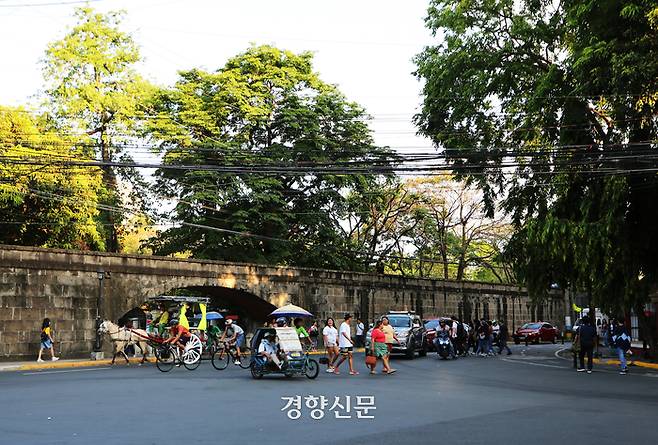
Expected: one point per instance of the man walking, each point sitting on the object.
(346, 345)
(622, 342)
(503, 335)
(587, 337)
(360, 337)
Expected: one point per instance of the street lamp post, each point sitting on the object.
(99, 305)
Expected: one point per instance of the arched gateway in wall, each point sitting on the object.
(67, 286)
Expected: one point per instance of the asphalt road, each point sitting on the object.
(527, 397)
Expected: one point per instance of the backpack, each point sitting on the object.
(461, 332)
(44, 337)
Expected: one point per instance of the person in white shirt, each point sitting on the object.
(330, 337)
(360, 340)
(269, 349)
(346, 345)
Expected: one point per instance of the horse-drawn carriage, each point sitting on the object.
(167, 355)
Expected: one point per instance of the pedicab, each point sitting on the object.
(168, 355)
(293, 359)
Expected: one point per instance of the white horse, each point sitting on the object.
(122, 337)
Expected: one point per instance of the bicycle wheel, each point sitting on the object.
(220, 359)
(245, 359)
(256, 371)
(164, 358)
(312, 369)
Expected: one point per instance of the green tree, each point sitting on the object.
(274, 140)
(92, 87)
(549, 108)
(41, 204)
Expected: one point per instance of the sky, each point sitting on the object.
(365, 47)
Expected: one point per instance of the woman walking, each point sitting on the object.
(314, 333)
(46, 340)
(379, 348)
(330, 337)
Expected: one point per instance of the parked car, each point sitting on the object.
(430, 331)
(536, 333)
(410, 332)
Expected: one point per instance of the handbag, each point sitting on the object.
(371, 360)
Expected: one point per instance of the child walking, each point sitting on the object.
(46, 340)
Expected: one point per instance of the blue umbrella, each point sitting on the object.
(290, 310)
(211, 316)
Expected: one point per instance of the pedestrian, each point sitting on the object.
(390, 333)
(314, 333)
(622, 342)
(330, 338)
(346, 345)
(360, 333)
(604, 333)
(575, 348)
(482, 339)
(587, 337)
(503, 336)
(47, 341)
(379, 349)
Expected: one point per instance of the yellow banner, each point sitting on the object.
(182, 320)
(576, 308)
(203, 322)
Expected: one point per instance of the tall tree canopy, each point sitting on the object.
(93, 89)
(552, 108)
(42, 205)
(271, 141)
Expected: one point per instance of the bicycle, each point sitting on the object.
(168, 355)
(225, 353)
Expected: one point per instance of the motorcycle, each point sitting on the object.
(443, 346)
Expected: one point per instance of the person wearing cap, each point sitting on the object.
(179, 335)
(235, 336)
(346, 345)
(269, 349)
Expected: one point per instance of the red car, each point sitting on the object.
(536, 333)
(430, 331)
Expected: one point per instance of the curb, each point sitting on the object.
(72, 364)
(613, 362)
(91, 363)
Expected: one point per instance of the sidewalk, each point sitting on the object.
(63, 364)
(83, 363)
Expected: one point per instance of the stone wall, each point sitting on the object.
(64, 286)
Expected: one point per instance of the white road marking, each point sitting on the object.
(65, 370)
(557, 353)
(533, 364)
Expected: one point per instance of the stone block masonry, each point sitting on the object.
(64, 286)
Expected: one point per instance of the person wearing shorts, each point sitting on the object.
(236, 336)
(47, 341)
(346, 345)
(330, 337)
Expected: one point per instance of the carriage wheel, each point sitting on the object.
(192, 355)
(219, 359)
(312, 369)
(164, 358)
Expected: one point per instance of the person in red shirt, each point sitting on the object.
(379, 349)
(179, 335)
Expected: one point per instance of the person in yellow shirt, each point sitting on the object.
(46, 340)
(389, 332)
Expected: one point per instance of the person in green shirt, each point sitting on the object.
(301, 332)
(214, 334)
